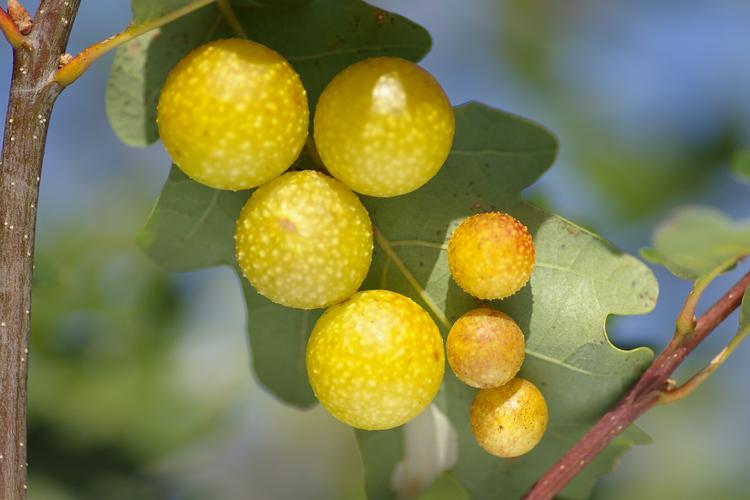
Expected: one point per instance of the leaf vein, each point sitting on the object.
(567, 365)
(204, 215)
(393, 256)
(352, 50)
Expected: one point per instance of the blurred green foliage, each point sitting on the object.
(696, 241)
(632, 178)
(741, 164)
(139, 386)
(104, 323)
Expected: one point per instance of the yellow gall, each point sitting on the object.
(233, 114)
(375, 361)
(491, 255)
(304, 240)
(485, 348)
(384, 126)
(510, 420)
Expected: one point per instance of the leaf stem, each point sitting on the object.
(10, 30)
(393, 257)
(419, 243)
(231, 17)
(646, 392)
(674, 395)
(686, 320)
(71, 71)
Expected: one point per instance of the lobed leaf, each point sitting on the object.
(695, 241)
(192, 226)
(579, 280)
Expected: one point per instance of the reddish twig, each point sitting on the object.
(74, 67)
(648, 391)
(32, 94)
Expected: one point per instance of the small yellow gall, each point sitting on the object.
(384, 126)
(375, 361)
(485, 348)
(233, 114)
(304, 240)
(491, 255)
(509, 420)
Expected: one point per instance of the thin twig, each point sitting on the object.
(71, 71)
(647, 392)
(686, 320)
(696, 380)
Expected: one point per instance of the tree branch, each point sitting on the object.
(32, 94)
(648, 391)
(696, 380)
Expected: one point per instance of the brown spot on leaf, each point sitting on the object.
(380, 17)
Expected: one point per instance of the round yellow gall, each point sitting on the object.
(509, 420)
(233, 114)
(375, 361)
(384, 126)
(485, 348)
(491, 255)
(304, 240)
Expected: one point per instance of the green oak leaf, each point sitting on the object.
(319, 38)
(145, 11)
(189, 225)
(446, 487)
(579, 280)
(192, 226)
(278, 339)
(381, 452)
(694, 241)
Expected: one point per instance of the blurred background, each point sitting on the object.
(140, 385)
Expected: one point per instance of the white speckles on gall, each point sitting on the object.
(304, 240)
(375, 361)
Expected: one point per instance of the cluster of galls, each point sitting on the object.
(233, 114)
(491, 256)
